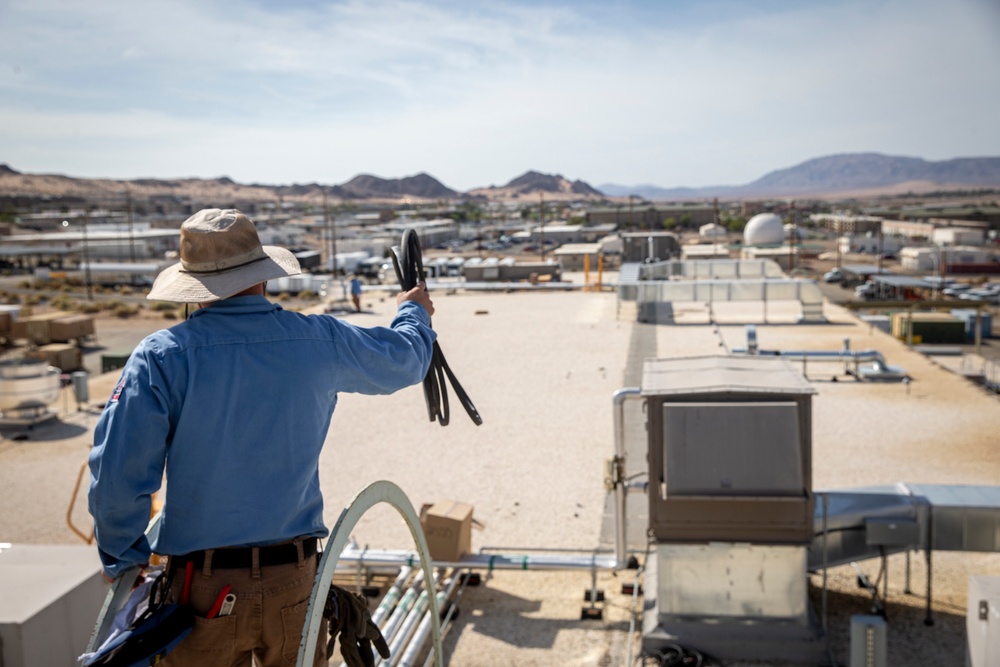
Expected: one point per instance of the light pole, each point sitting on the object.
(86, 256)
(541, 223)
(935, 260)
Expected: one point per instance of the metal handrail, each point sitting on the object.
(89, 539)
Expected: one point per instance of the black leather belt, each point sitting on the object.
(232, 558)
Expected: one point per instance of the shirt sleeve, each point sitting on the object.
(381, 360)
(127, 463)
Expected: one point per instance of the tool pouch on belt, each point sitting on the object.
(351, 623)
(144, 637)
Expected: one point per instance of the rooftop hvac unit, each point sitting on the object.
(730, 450)
(730, 506)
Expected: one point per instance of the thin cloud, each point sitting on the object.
(668, 93)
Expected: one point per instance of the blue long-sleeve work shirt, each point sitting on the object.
(235, 404)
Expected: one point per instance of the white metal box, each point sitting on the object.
(868, 641)
(50, 596)
(723, 579)
(982, 622)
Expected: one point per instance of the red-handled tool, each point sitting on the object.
(188, 575)
(214, 611)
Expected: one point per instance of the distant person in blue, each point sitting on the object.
(234, 405)
(356, 292)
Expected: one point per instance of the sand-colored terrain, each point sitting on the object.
(541, 368)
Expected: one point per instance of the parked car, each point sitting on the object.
(956, 290)
(866, 290)
(988, 294)
(833, 276)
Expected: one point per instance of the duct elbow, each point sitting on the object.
(621, 395)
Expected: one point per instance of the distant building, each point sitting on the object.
(783, 256)
(956, 260)
(652, 217)
(705, 251)
(869, 244)
(713, 231)
(571, 233)
(650, 246)
(908, 228)
(573, 256)
(958, 236)
(847, 225)
(430, 232)
(988, 214)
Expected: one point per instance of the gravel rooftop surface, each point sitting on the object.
(541, 368)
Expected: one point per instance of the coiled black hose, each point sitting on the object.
(409, 264)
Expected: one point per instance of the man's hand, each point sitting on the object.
(419, 295)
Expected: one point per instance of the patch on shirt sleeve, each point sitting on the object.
(118, 390)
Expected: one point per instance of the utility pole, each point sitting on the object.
(791, 242)
(715, 220)
(840, 232)
(331, 234)
(880, 247)
(86, 256)
(131, 233)
(541, 223)
(631, 224)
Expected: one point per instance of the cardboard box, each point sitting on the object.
(64, 357)
(33, 330)
(72, 327)
(36, 328)
(447, 527)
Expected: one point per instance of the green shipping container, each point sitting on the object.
(929, 328)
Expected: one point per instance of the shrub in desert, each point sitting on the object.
(63, 302)
(125, 311)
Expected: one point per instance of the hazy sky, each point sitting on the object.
(664, 92)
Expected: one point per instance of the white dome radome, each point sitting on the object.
(764, 229)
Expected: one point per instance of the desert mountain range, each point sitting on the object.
(853, 174)
(850, 174)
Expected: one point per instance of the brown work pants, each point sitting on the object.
(265, 625)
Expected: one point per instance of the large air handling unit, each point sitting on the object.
(730, 507)
(734, 526)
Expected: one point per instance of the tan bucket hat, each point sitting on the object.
(221, 255)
